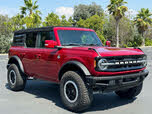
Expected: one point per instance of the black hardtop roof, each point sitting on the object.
(49, 28)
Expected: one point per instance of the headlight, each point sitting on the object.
(101, 64)
(145, 60)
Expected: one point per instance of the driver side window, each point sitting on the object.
(45, 36)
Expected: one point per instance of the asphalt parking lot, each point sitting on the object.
(40, 97)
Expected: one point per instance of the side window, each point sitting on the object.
(19, 39)
(31, 40)
(45, 36)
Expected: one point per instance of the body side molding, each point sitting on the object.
(78, 64)
(18, 60)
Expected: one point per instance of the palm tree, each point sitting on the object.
(117, 9)
(143, 22)
(31, 14)
(29, 7)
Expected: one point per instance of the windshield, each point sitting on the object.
(78, 38)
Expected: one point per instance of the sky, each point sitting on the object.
(66, 7)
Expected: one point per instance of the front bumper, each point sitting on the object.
(115, 83)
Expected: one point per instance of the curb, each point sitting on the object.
(3, 54)
(146, 47)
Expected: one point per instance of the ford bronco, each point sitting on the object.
(76, 59)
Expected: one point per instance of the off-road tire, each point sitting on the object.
(130, 93)
(20, 81)
(85, 95)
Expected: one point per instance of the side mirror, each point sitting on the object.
(50, 43)
(108, 43)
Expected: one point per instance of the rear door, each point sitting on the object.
(29, 53)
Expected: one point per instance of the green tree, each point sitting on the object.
(148, 42)
(64, 22)
(3, 26)
(127, 31)
(29, 7)
(52, 20)
(71, 21)
(148, 33)
(143, 22)
(109, 29)
(94, 22)
(33, 21)
(85, 11)
(31, 14)
(117, 9)
(136, 41)
(5, 34)
(16, 23)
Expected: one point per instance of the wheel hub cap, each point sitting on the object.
(71, 91)
(12, 77)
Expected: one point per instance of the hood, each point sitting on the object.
(112, 51)
(109, 51)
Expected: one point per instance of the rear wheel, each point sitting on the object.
(16, 80)
(130, 93)
(75, 94)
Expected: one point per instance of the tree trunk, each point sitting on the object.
(31, 12)
(117, 33)
(143, 42)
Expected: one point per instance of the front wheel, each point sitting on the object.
(130, 93)
(75, 94)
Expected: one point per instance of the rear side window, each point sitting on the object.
(45, 36)
(31, 40)
(19, 40)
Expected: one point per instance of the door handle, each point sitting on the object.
(38, 56)
(22, 55)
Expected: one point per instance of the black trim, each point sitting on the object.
(126, 56)
(120, 59)
(113, 83)
(78, 64)
(21, 37)
(138, 48)
(95, 51)
(34, 30)
(19, 62)
(49, 28)
(145, 72)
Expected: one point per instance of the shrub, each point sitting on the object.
(136, 42)
(5, 43)
(148, 42)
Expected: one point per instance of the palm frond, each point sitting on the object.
(35, 7)
(23, 10)
(35, 3)
(143, 20)
(117, 9)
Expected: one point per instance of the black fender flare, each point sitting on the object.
(78, 64)
(17, 59)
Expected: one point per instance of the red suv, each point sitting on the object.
(76, 59)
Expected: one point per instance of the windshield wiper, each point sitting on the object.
(90, 44)
(72, 44)
(75, 44)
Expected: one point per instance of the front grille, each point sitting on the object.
(125, 63)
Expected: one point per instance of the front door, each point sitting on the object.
(45, 58)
